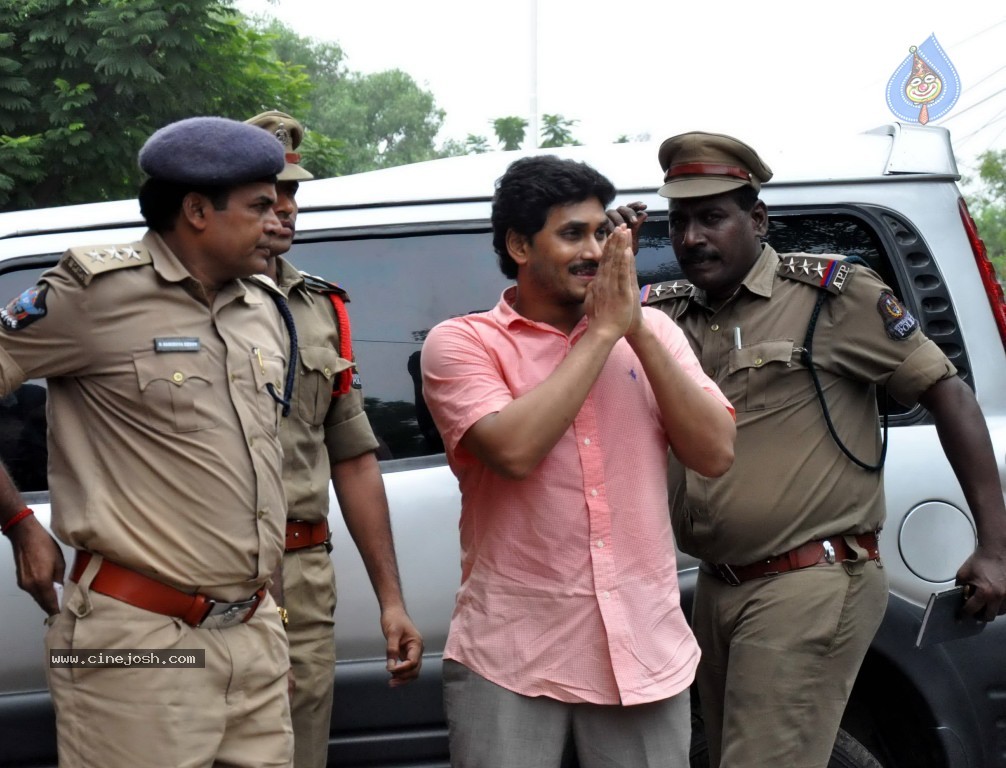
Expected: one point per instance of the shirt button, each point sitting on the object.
(593, 491)
(586, 441)
(758, 361)
(178, 377)
(600, 545)
(234, 377)
(714, 327)
(328, 372)
(261, 514)
(606, 595)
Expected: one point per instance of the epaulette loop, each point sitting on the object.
(827, 273)
(321, 285)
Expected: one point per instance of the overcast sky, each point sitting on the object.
(659, 67)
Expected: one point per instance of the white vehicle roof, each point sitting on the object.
(889, 150)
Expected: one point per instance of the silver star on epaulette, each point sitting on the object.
(805, 267)
(791, 265)
(676, 286)
(95, 256)
(658, 289)
(819, 269)
(130, 253)
(113, 253)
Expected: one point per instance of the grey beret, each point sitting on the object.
(211, 151)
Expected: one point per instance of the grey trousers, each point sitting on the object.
(492, 727)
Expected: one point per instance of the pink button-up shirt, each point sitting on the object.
(569, 582)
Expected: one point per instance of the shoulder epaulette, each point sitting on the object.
(654, 293)
(86, 262)
(320, 285)
(826, 272)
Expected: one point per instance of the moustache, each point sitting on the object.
(584, 268)
(696, 256)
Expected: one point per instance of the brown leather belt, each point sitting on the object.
(151, 595)
(301, 534)
(819, 552)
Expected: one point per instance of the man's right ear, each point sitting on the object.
(759, 218)
(517, 246)
(194, 208)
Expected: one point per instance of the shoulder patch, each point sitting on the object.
(825, 272)
(654, 293)
(84, 263)
(898, 321)
(321, 285)
(25, 309)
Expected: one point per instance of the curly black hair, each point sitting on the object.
(530, 188)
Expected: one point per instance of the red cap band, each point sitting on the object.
(706, 169)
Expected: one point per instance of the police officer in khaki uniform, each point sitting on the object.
(327, 435)
(164, 366)
(791, 589)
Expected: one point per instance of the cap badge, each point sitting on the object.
(283, 136)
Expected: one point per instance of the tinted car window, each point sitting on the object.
(399, 288)
(400, 285)
(22, 412)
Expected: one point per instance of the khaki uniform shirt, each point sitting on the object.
(164, 452)
(321, 430)
(790, 483)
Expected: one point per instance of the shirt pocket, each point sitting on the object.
(176, 390)
(268, 371)
(318, 369)
(755, 372)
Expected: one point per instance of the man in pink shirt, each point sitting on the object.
(557, 409)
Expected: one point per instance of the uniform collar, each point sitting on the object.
(758, 281)
(170, 268)
(288, 277)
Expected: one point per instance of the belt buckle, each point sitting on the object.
(829, 552)
(223, 615)
(726, 573)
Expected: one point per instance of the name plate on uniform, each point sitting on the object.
(177, 344)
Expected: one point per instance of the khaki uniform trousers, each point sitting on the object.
(235, 712)
(309, 593)
(779, 658)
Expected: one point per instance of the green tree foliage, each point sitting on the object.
(84, 82)
(510, 131)
(356, 122)
(384, 118)
(556, 131)
(474, 144)
(989, 206)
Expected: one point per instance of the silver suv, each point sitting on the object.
(412, 245)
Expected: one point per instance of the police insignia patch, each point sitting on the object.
(25, 309)
(898, 321)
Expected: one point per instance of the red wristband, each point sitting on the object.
(16, 519)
